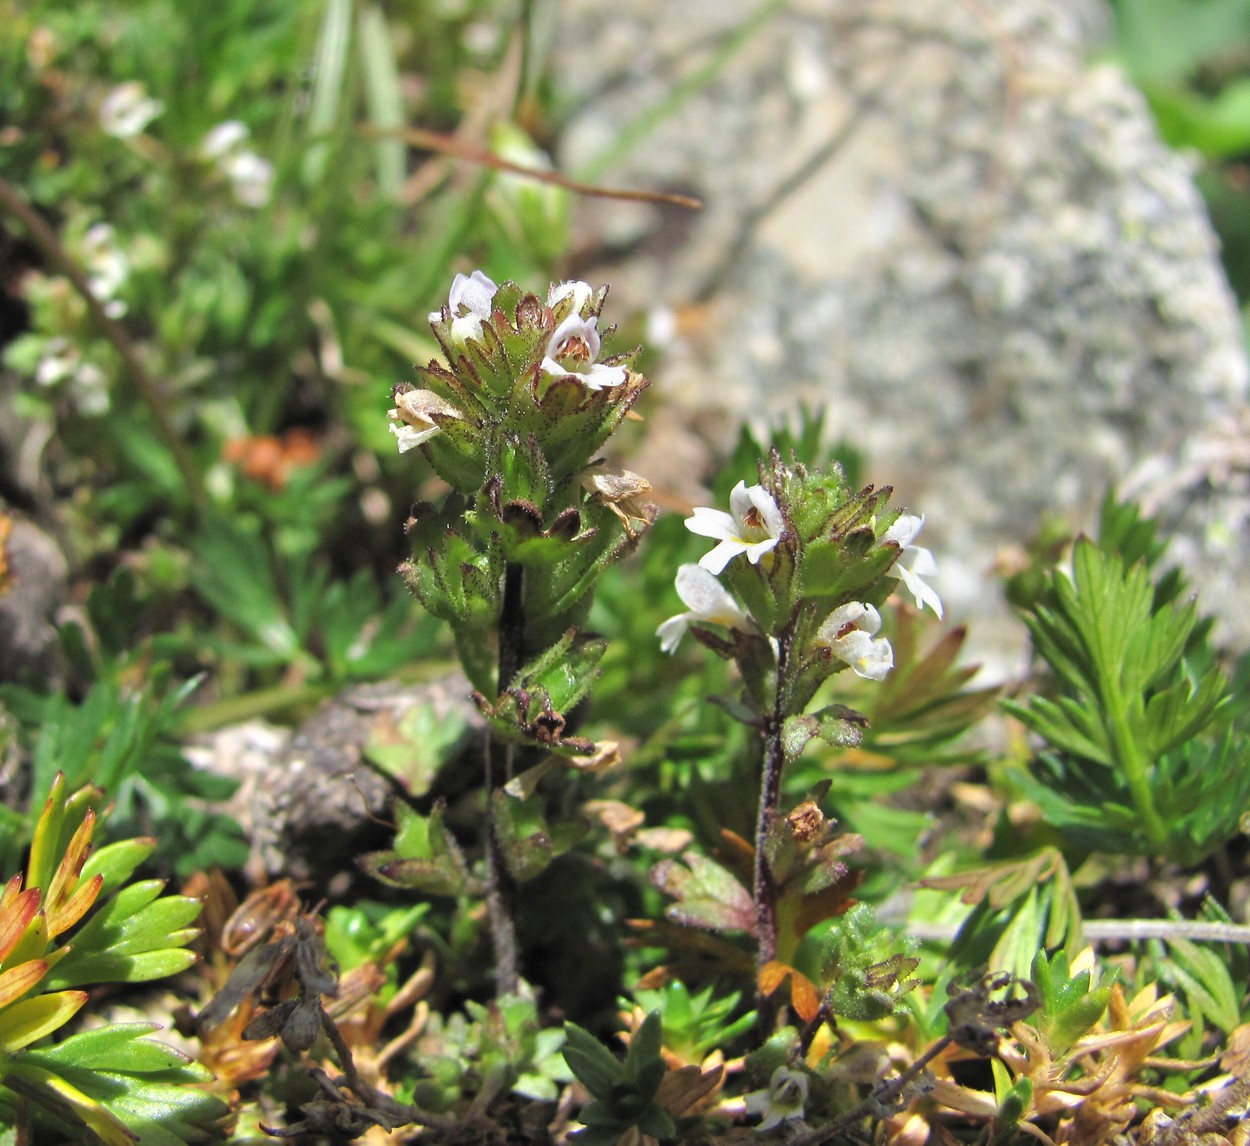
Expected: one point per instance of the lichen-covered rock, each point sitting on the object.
(947, 225)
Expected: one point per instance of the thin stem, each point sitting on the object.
(499, 891)
(499, 898)
(883, 1096)
(765, 887)
(149, 389)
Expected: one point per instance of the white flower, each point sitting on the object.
(89, 391)
(223, 139)
(572, 351)
(752, 526)
(410, 420)
(128, 109)
(579, 291)
(106, 265)
(87, 384)
(469, 303)
(251, 177)
(706, 600)
(783, 1098)
(921, 561)
(848, 633)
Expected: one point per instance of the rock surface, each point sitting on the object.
(945, 224)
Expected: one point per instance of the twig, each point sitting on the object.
(888, 1092)
(449, 145)
(1118, 930)
(45, 239)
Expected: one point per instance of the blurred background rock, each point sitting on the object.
(954, 226)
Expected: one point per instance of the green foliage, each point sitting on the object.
(1134, 726)
(122, 739)
(426, 856)
(112, 1080)
(695, 1024)
(623, 1092)
(491, 1049)
(867, 967)
(1069, 1003)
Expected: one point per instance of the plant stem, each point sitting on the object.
(765, 888)
(1128, 752)
(46, 240)
(499, 891)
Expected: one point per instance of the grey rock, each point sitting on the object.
(308, 801)
(29, 651)
(949, 227)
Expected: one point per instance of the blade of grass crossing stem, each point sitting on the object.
(382, 96)
(329, 72)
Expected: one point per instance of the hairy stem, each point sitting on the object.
(765, 888)
(500, 896)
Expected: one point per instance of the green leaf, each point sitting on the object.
(593, 1064)
(26, 1021)
(120, 1047)
(117, 862)
(1069, 1005)
(708, 895)
(134, 937)
(426, 856)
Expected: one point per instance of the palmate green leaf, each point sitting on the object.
(1066, 724)
(133, 937)
(1070, 1005)
(1022, 906)
(1207, 785)
(153, 1089)
(1179, 713)
(232, 571)
(1202, 977)
(1156, 647)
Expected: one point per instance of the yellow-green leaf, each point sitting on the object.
(31, 1019)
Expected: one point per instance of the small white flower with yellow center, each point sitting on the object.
(573, 350)
(848, 634)
(707, 600)
(920, 563)
(470, 304)
(752, 526)
(410, 420)
(782, 1099)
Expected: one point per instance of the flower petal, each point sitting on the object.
(671, 632)
(711, 523)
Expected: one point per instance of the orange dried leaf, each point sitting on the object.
(68, 870)
(15, 915)
(16, 981)
(73, 909)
